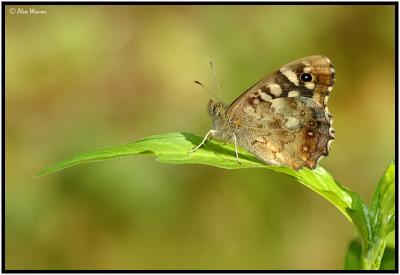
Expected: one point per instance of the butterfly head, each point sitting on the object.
(216, 109)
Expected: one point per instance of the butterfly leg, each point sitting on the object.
(236, 150)
(208, 135)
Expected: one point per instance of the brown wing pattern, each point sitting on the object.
(293, 132)
(283, 119)
(287, 82)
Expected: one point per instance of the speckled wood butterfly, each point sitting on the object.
(283, 119)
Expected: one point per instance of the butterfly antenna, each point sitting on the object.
(208, 91)
(215, 77)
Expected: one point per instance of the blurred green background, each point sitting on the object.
(86, 77)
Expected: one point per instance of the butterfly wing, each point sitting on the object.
(287, 82)
(284, 120)
(294, 132)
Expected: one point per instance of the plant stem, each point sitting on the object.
(372, 256)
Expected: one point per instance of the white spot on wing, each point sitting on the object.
(310, 85)
(330, 88)
(293, 93)
(275, 89)
(326, 100)
(265, 96)
(292, 76)
(291, 122)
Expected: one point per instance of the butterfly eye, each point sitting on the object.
(306, 77)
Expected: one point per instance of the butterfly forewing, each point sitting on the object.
(288, 82)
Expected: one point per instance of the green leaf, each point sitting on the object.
(353, 256)
(360, 218)
(382, 205)
(382, 217)
(168, 148)
(174, 148)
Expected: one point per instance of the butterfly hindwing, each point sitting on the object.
(293, 132)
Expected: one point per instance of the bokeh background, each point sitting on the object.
(85, 77)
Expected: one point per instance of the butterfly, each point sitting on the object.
(283, 119)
